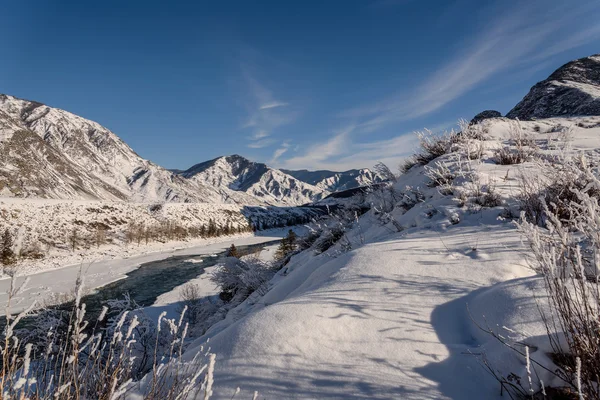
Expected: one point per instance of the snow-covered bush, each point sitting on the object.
(567, 255)
(441, 176)
(556, 189)
(433, 146)
(521, 147)
(191, 299)
(238, 279)
(100, 357)
(330, 236)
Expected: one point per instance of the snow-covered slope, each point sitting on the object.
(332, 181)
(573, 89)
(236, 177)
(383, 313)
(50, 153)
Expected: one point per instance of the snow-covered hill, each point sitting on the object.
(239, 178)
(388, 311)
(332, 181)
(573, 89)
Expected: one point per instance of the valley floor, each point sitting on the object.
(60, 279)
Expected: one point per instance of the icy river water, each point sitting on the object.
(151, 279)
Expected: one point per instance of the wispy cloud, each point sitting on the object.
(515, 40)
(265, 113)
(273, 105)
(322, 153)
(510, 40)
(259, 144)
(342, 151)
(285, 146)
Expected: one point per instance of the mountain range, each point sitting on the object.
(46, 152)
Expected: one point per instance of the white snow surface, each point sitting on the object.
(393, 318)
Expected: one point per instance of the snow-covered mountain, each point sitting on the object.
(332, 181)
(47, 152)
(573, 89)
(237, 177)
(50, 153)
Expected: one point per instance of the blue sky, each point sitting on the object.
(296, 84)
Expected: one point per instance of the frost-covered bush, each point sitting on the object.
(383, 199)
(520, 148)
(407, 164)
(556, 189)
(410, 197)
(191, 301)
(385, 172)
(329, 237)
(433, 146)
(238, 279)
(468, 140)
(441, 176)
(100, 357)
(567, 255)
(307, 240)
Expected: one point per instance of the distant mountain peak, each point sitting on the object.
(571, 90)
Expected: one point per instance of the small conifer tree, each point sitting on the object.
(233, 252)
(7, 255)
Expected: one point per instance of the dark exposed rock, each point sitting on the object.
(485, 115)
(573, 89)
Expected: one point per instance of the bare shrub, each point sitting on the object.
(329, 237)
(567, 257)
(238, 279)
(407, 164)
(433, 146)
(307, 241)
(100, 358)
(191, 299)
(384, 198)
(520, 148)
(556, 189)
(441, 176)
(410, 197)
(7, 254)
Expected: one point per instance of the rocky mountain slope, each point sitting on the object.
(46, 152)
(50, 153)
(573, 89)
(237, 176)
(332, 181)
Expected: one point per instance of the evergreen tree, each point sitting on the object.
(212, 228)
(286, 246)
(7, 256)
(291, 240)
(233, 252)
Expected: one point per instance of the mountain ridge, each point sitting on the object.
(571, 90)
(48, 152)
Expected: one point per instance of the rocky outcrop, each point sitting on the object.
(572, 90)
